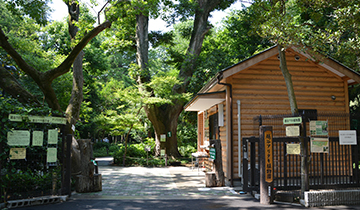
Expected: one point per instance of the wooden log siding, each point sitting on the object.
(262, 91)
(200, 131)
(222, 134)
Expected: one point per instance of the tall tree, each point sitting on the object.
(164, 118)
(73, 109)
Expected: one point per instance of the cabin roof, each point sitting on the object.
(202, 102)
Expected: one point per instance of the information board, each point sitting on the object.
(212, 152)
(17, 153)
(37, 119)
(293, 131)
(51, 155)
(15, 117)
(163, 138)
(347, 137)
(318, 128)
(293, 149)
(292, 120)
(37, 138)
(18, 138)
(53, 136)
(319, 145)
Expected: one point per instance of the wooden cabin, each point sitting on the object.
(227, 104)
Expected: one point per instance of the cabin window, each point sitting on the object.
(213, 126)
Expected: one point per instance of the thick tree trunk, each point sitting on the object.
(142, 48)
(164, 119)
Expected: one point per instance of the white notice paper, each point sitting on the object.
(347, 137)
(53, 136)
(293, 131)
(38, 138)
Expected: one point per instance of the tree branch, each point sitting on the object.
(9, 83)
(17, 57)
(65, 66)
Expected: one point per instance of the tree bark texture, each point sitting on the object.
(73, 109)
(142, 48)
(164, 119)
(288, 80)
(87, 180)
(218, 167)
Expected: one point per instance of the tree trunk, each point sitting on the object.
(294, 110)
(73, 108)
(164, 119)
(288, 80)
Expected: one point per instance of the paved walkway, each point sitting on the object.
(154, 183)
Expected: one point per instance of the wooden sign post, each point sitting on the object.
(266, 165)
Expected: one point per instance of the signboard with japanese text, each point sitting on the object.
(319, 145)
(212, 151)
(51, 156)
(292, 120)
(15, 117)
(18, 138)
(347, 137)
(53, 136)
(269, 177)
(293, 131)
(318, 128)
(17, 153)
(163, 138)
(293, 149)
(38, 138)
(37, 119)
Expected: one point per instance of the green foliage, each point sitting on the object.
(36, 9)
(104, 149)
(136, 154)
(24, 184)
(186, 150)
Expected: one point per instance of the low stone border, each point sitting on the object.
(33, 201)
(331, 198)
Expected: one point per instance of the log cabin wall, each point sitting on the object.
(222, 134)
(201, 135)
(262, 91)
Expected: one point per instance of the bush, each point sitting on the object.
(136, 154)
(186, 150)
(103, 149)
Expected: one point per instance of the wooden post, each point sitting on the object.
(304, 160)
(245, 180)
(216, 178)
(66, 185)
(266, 165)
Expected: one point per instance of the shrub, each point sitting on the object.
(186, 150)
(103, 149)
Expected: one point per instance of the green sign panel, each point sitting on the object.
(318, 128)
(292, 120)
(212, 153)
